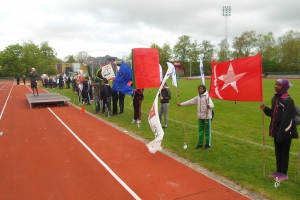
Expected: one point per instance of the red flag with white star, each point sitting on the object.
(237, 80)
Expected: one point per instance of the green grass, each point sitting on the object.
(237, 131)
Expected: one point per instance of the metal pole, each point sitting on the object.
(190, 69)
(226, 14)
(92, 69)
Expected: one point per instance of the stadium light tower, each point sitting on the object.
(226, 14)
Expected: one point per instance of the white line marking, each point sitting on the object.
(97, 158)
(225, 135)
(5, 103)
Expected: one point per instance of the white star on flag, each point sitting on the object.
(231, 78)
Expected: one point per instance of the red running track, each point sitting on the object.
(60, 153)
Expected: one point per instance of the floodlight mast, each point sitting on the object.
(226, 14)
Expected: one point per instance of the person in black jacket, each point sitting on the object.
(137, 100)
(282, 126)
(33, 81)
(85, 91)
(106, 89)
(24, 79)
(115, 98)
(68, 82)
(121, 102)
(18, 79)
(165, 96)
(61, 82)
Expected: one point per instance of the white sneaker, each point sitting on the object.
(139, 121)
(133, 121)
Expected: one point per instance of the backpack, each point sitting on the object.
(297, 114)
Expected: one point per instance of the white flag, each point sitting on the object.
(202, 72)
(173, 74)
(154, 121)
(161, 73)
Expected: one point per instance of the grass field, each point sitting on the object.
(237, 152)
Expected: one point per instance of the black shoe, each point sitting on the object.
(165, 126)
(207, 147)
(198, 147)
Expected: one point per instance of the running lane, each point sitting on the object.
(40, 159)
(43, 156)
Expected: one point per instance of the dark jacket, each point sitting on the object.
(33, 76)
(115, 94)
(107, 91)
(85, 86)
(282, 115)
(138, 94)
(166, 94)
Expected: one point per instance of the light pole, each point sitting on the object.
(226, 14)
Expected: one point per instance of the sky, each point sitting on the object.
(115, 27)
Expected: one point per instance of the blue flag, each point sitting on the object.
(123, 80)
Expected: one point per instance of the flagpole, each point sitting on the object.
(263, 142)
(176, 91)
(297, 167)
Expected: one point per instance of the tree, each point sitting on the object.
(17, 59)
(289, 45)
(224, 53)
(10, 60)
(182, 49)
(82, 57)
(48, 58)
(69, 59)
(31, 57)
(263, 42)
(266, 45)
(245, 44)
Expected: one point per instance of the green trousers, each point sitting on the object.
(204, 128)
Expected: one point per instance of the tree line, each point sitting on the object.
(281, 55)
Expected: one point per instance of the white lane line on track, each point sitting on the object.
(97, 158)
(225, 135)
(5, 103)
(4, 85)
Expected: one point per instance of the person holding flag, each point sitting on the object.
(282, 127)
(204, 108)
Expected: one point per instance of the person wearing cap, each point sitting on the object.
(204, 114)
(282, 126)
(165, 96)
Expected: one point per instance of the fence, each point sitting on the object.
(7, 78)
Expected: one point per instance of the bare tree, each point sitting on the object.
(82, 57)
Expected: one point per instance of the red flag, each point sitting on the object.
(237, 80)
(146, 68)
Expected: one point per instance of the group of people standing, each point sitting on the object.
(282, 112)
(57, 81)
(102, 94)
(18, 79)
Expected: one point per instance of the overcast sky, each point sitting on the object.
(114, 27)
